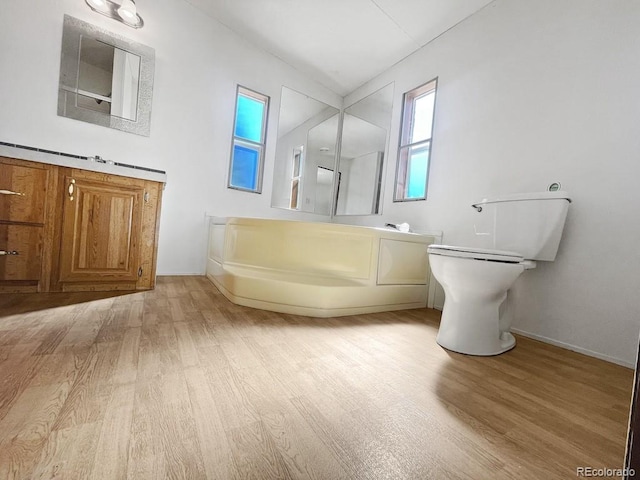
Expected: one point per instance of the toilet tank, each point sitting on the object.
(528, 223)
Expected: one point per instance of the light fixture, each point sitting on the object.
(127, 11)
(124, 12)
(98, 4)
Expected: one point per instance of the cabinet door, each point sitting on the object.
(100, 231)
(20, 253)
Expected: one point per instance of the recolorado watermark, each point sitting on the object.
(604, 472)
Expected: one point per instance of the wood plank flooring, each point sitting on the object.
(180, 383)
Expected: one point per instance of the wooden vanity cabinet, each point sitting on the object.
(26, 206)
(95, 232)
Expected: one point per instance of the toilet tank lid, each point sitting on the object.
(515, 197)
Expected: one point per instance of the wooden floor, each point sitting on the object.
(179, 383)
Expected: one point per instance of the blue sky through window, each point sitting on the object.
(418, 161)
(249, 115)
(247, 153)
(244, 173)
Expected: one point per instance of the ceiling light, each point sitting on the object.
(125, 11)
(128, 12)
(99, 4)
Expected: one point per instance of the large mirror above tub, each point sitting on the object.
(105, 79)
(305, 154)
(365, 130)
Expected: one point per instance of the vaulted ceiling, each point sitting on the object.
(341, 43)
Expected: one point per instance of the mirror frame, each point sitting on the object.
(73, 30)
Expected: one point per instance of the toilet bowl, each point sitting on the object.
(475, 283)
(477, 312)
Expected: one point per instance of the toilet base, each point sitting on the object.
(507, 342)
(474, 328)
(477, 313)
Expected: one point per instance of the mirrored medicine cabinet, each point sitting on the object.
(105, 79)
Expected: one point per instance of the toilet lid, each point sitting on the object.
(476, 253)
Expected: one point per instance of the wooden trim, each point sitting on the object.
(48, 252)
(56, 238)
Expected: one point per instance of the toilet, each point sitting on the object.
(477, 313)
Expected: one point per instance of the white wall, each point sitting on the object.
(530, 93)
(316, 188)
(198, 64)
(359, 181)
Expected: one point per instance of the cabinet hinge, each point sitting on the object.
(140, 272)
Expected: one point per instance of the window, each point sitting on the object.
(249, 134)
(415, 143)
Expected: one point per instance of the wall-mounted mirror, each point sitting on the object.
(365, 129)
(305, 154)
(105, 79)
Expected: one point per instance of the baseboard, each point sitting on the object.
(574, 348)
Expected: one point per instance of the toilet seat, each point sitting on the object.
(476, 253)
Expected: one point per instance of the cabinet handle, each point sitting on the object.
(9, 192)
(71, 189)
(7, 252)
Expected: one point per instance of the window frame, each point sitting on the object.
(244, 142)
(407, 121)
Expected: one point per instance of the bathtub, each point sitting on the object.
(317, 269)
